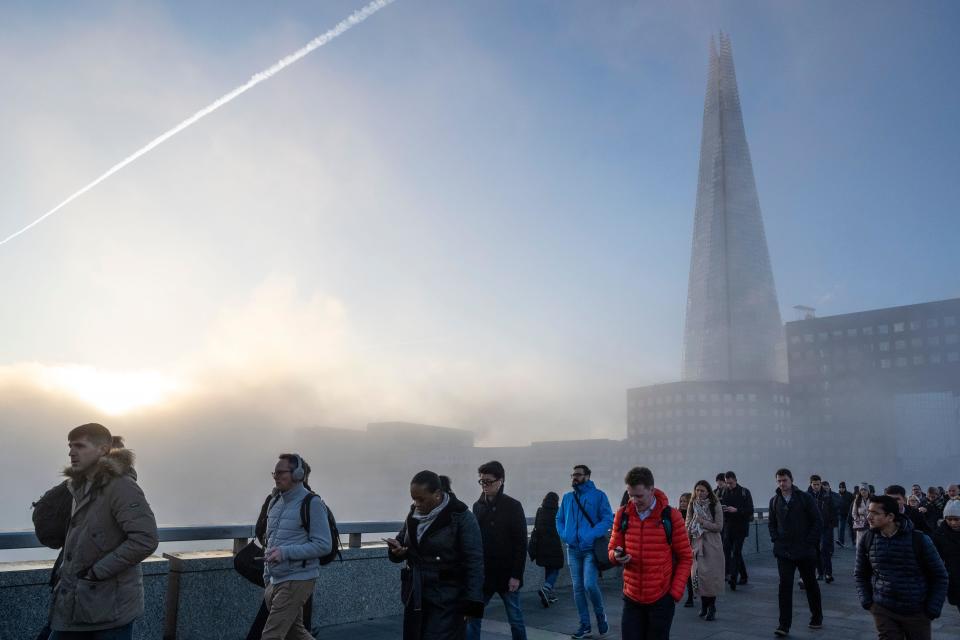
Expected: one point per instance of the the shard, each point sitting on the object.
(733, 329)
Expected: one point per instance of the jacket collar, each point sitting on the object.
(585, 488)
(297, 491)
(444, 518)
(117, 463)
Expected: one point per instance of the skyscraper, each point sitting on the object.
(733, 328)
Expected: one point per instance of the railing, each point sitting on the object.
(241, 533)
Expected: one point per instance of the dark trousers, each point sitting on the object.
(119, 633)
(807, 569)
(896, 626)
(733, 553)
(647, 621)
(841, 530)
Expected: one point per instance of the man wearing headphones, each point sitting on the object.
(291, 558)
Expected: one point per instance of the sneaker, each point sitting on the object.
(582, 632)
(742, 580)
(544, 598)
(828, 578)
(781, 632)
(802, 586)
(602, 627)
(816, 624)
(552, 598)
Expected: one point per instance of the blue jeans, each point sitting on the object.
(550, 578)
(511, 603)
(584, 575)
(119, 633)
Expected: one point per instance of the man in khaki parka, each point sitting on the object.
(99, 588)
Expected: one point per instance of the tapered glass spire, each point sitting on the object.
(733, 328)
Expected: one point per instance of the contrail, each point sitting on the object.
(354, 19)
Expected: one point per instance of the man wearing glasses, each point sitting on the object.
(504, 530)
(584, 517)
(291, 558)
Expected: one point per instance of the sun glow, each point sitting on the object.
(113, 393)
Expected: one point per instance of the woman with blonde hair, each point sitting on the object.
(704, 524)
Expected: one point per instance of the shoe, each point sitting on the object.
(742, 580)
(828, 578)
(582, 632)
(703, 609)
(544, 598)
(711, 614)
(802, 586)
(733, 583)
(820, 577)
(842, 546)
(816, 624)
(602, 627)
(781, 631)
(552, 598)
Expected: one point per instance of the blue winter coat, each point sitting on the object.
(573, 527)
(889, 574)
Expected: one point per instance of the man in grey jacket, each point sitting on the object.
(291, 557)
(99, 587)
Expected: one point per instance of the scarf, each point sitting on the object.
(424, 521)
(700, 508)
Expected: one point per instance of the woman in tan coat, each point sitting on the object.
(704, 523)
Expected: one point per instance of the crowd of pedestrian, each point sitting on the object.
(454, 558)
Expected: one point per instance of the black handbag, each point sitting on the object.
(601, 544)
(249, 563)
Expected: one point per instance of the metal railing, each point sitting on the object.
(241, 533)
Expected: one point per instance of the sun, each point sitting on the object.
(112, 392)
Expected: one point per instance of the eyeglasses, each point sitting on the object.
(274, 474)
(577, 475)
(486, 483)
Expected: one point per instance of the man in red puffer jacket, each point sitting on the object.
(656, 558)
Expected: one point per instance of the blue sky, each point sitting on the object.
(475, 214)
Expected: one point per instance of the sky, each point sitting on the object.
(476, 215)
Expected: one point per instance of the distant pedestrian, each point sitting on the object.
(704, 522)
(858, 511)
(292, 553)
(947, 540)
(99, 585)
(794, 524)
(899, 494)
(545, 547)
(737, 515)
(917, 492)
(953, 492)
(828, 520)
(900, 577)
(649, 541)
(442, 581)
(682, 503)
(721, 485)
(584, 518)
(844, 520)
(503, 528)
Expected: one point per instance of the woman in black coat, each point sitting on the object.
(947, 540)
(441, 583)
(545, 547)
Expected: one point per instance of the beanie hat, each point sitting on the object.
(952, 509)
(864, 485)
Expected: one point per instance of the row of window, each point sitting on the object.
(715, 412)
(883, 329)
(918, 360)
(897, 345)
(704, 397)
(636, 431)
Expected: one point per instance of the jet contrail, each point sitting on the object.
(354, 19)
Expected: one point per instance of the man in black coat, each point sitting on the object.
(795, 532)
(844, 520)
(828, 519)
(899, 494)
(737, 516)
(504, 530)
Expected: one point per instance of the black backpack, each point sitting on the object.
(334, 532)
(51, 516)
(665, 520)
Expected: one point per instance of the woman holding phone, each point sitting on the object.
(441, 583)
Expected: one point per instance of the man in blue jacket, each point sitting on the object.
(900, 577)
(585, 516)
(292, 555)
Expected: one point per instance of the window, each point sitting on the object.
(914, 325)
(885, 363)
(837, 333)
(917, 359)
(883, 329)
(916, 342)
(794, 339)
(901, 362)
(752, 397)
(823, 335)
(932, 323)
(934, 358)
(933, 341)
(852, 332)
(884, 346)
(950, 321)
(808, 337)
(953, 356)
(950, 338)
(900, 345)
(898, 327)
(868, 331)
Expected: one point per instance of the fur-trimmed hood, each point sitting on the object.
(117, 463)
